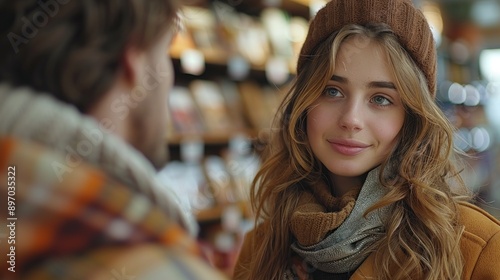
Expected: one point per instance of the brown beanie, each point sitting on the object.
(406, 21)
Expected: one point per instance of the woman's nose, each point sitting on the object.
(351, 117)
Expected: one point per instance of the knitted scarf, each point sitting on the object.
(42, 119)
(332, 234)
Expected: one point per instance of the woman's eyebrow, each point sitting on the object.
(381, 84)
(374, 84)
(339, 79)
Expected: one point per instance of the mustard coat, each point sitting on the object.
(480, 245)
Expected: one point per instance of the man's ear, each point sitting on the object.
(132, 61)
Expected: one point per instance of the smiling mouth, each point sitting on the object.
(347, 148)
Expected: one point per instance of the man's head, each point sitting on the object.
(108, 58)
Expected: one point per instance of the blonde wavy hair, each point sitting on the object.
(422, 235)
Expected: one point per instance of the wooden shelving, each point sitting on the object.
(217, 45)
(215, 213)
(293, 7)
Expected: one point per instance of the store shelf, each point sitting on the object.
(215, 213)
(237, 50)
(293, 7)
(217, 68)
(208, 138)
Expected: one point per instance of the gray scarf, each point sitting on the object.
(344, 249)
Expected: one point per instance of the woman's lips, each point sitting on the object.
(347, 147)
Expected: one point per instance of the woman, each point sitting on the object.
(361, 182)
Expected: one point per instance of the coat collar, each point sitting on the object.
(365, 270)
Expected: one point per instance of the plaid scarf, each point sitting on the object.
(75, 221)
(80, 139)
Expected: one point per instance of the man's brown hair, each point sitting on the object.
(72, 49)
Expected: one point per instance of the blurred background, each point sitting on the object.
(234, 59)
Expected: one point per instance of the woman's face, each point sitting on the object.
(355, 123)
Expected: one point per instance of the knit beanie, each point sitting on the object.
(406, 21)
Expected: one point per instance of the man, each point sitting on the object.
(83, 92)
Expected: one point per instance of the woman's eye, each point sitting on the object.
(381, 101)
(331, 91)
